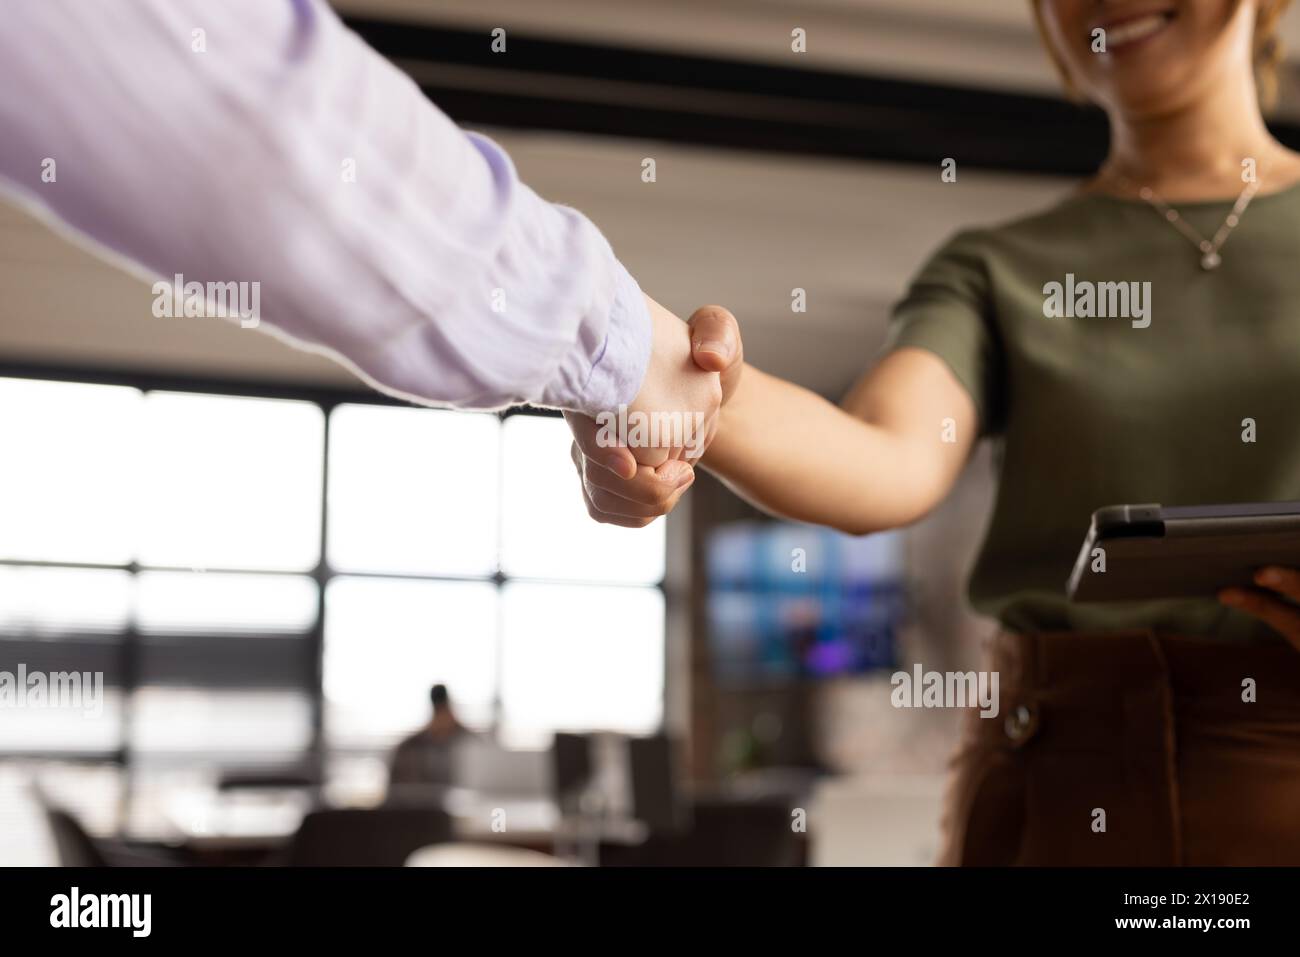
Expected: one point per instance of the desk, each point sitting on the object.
(211, 822)
(509, 819)
(234, 828)
(482, 855)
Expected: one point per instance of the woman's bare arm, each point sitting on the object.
(884, 459)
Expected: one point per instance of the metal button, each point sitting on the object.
(1021, 723)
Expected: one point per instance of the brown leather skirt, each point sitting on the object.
(1135, 748)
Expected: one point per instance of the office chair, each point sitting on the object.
(365, 837)
(718, 831)
(269, 779)
(742, 832)
(571, 784)
(570, 769)
(656, 797)
(75, 847)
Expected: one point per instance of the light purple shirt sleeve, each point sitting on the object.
(262, 141)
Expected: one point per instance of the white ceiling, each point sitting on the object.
(745, 231)
(989, 43)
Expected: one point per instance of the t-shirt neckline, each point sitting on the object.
(1262, 197)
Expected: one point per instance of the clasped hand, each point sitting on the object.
(1275, 600)
(636, 463)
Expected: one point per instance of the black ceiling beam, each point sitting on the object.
(774, 108)
(557, 85)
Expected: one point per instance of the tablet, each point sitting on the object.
(1142, 552)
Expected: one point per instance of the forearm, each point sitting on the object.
(280, 152)
(791, 452)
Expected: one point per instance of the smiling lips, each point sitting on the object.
(1128, 32)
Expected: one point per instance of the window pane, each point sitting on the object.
(215, 602)
(92, 793)
(413, 491)
(85, 717)
(581, 658)
(233, 726)
(38, 602)
(387, 641)
(173, 801)
(70, 471)
(547, 532)
(231, 482)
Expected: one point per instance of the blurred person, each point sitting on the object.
(425, 759)
(1124, 736)
(224, 142)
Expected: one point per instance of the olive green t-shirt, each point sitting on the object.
(1195, 403)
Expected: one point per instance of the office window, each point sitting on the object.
(125, 496)
(62, 624)
(94, 727)
(54, 602)
(179, 603)
(547, 532)
(387, 640)
(413, 491)
(479, 503)
(230, 482)
(172, 542)
(576, 658)
(237, 727)
(73, 497)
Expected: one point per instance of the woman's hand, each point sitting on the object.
(1273, 602)
(631, 502)
(694, 369)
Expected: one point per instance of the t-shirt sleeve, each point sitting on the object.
(947, 311)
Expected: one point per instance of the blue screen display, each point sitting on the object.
(792, 601)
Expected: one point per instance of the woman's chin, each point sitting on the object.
(1146, 89)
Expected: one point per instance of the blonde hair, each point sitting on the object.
(1268, 53)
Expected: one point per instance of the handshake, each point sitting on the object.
(635, 463)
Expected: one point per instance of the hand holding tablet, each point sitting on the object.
(1246, 556)
(1146, 552)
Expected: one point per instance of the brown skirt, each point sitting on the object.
(1131, 749)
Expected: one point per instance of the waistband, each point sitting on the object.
(1096, 692)
(1191, 667)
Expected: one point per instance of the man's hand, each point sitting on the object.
(1274, 602)
(634, 467)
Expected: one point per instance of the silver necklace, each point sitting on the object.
(1209, 248)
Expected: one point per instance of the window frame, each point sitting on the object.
(127, 642)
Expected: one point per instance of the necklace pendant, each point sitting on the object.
(1210, 260)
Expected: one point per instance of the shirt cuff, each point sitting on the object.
(619, 363)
